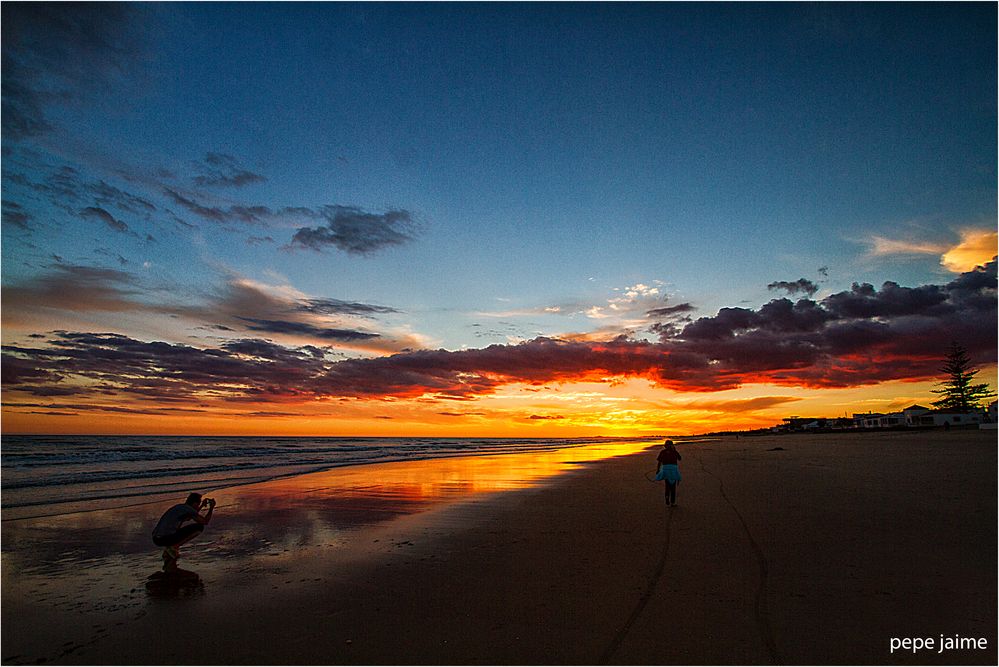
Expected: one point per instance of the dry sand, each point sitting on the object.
(818, 552)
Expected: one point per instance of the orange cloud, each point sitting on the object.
(977, 246)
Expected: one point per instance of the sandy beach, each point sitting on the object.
(791, 549)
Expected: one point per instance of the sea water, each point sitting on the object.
(53, 474)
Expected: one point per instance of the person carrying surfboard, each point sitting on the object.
(171, 532)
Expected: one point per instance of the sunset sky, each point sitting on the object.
(491, 219)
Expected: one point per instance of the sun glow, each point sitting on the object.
(631, 407)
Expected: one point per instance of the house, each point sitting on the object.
(950, 418)
(879, 420)
(912, 414)
(918, 415)
(867, 420)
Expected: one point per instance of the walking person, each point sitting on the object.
(669, 471)
(170, 532)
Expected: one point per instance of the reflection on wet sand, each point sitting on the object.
(296, 510)
(318, 510)
(75, 572)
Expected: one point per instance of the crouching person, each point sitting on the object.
(171, 532)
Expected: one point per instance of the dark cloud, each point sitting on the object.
(15, 215)
(68, 189)
(799, 286)
(90, 407)
(61, 53)
(348, 228)
(864, 301)
(355, 231)
(236, 213)
(738, 404)
(856, 337)
(104, 252)
(240, 305)
(670, 311)
(74, 288)
(104, 364)
(305, 329)
(337, 307)
(95, 213)
(222, 170)
(109, 195)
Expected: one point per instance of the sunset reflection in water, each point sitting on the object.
(363, 495)
(316, 510)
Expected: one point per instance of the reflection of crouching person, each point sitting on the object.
(170, 532)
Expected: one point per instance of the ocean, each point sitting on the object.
(58, 474)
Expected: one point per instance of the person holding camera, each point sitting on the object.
(170, 532)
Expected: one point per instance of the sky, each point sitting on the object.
(496, 219)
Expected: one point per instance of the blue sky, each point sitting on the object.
(529, 166)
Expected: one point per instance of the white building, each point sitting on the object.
(918, 415)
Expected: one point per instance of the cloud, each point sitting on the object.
(337, 307)
(977, 246)
(234, 213)
(881, 246)
(302, 328)
(61, 53)
(355, 231)
(801, 285)
(670, 311)
(74, 288)
(238, 305)
(15, 215)
(107, 363)
(856, 337)
(348, 228)
(95, 213)
(67, 188)
(220, 170)
(161, 198)
(736, 404)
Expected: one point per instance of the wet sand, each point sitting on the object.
(783, 550)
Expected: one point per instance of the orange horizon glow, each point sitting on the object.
(629, 408)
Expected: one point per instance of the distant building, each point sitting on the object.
(914, 416)
(948, 418)
(878, 420)
(913, 413)
(815, 423)
(918, 416)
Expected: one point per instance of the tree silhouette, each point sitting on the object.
(957, 392)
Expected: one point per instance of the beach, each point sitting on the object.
(794, 549)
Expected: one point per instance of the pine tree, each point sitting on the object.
(957, 392)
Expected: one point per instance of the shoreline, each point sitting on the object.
(285, 471)
(807, 554)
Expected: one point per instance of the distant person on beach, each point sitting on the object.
(170, 532)
(669, 471)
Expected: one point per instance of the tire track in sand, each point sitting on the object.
(762, 612)
(650, 588)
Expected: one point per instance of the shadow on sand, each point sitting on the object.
(174, 584)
